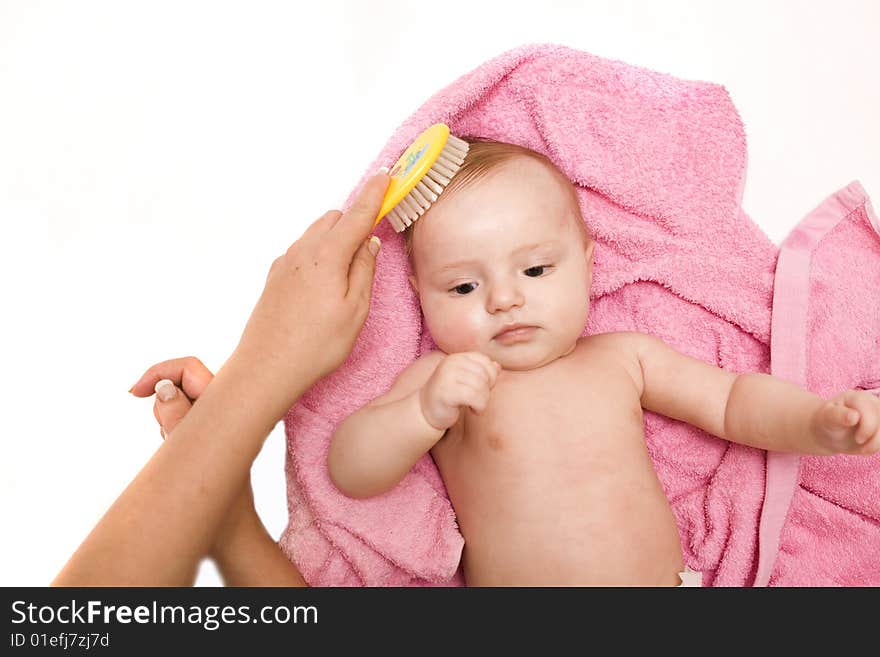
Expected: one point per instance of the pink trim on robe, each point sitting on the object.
(788, 349)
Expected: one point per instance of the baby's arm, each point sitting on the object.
(374, 447)
(754, 409)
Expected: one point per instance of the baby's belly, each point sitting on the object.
(559, 493)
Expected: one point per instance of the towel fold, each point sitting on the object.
(660, 164)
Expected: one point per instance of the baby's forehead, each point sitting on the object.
(543, 237)
(521, 197)
(530, 170)
(517, 188)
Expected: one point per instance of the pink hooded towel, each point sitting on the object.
(660, 165)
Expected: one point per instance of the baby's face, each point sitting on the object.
(500, 252)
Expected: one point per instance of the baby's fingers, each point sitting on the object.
(868, 408)
(170, 406)
(835, 416)
(475, 395)
(872, 445)
(489, 367)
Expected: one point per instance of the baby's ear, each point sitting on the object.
(588, 256)
(588, 251)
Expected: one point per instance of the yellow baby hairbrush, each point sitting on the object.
(421, 174)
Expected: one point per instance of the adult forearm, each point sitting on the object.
(770, 413)
(253, 558)
(161, 527)
(374, 448)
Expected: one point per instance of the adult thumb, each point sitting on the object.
(362, 270)
(170, 406)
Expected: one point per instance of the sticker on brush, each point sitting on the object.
(421, 174)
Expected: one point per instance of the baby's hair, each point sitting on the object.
(485, 155)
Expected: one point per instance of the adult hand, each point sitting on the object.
(178, 383)
(304, 325)
(316, 296)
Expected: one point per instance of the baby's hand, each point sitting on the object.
(849, 423)
(462, 379)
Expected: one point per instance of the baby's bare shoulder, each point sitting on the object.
(623, 342)
(616, 349)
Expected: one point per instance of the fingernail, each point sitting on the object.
(852, 416)
(374, 245)
(132, 388)
(165, 390)
(382, 170)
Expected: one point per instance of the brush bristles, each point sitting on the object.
(428, 189)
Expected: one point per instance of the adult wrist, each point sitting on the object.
(237, 538)
(277, 382)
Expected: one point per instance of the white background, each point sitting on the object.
(155, 158)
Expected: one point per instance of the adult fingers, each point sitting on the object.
(322, 224)
(357, 222)
(188, 373)
(362, 270)
(170, 406)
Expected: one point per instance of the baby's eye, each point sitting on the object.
(537, 270)
(464, 288)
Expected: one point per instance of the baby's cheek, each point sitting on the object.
(454, 329)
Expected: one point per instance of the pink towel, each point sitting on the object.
(660, 166)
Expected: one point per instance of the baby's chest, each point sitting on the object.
(556, 414)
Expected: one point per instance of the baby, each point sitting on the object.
(536, 429)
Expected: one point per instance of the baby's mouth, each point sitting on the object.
(515, 333)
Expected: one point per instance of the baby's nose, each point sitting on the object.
(504, 296)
